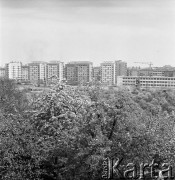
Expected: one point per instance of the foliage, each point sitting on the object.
(67, 132)
(11, 99)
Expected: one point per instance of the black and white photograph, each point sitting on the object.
(87, 89)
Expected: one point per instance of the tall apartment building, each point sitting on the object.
(2, 72)
(71, 74)
(84, 72)
(25, 73)
(107, 73)
(6, 70)
(37, 71)
(54, 68)
(96, 74)
(64, 73)
(120, 69)
(14, 70)
(79, 72)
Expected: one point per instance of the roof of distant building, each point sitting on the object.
(107, 62)
(38, 62)
(54, 62)
(80, 62)
(14, 62)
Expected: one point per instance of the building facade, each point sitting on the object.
(120, 69)
(2, 72)
(145, 72)
(55, 70)
(14, 70)
(25, 73)
(37, 72)
(96, 74)
(147, 81)
(71, 74)
(166, 71)
(107, 70)
(79, 72)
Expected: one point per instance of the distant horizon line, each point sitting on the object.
(2, 65)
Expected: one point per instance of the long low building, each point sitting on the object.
(146, 81)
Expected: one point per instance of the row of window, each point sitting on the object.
(168, 78)
(158, 85)
(151, 81)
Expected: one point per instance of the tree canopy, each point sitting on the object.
(67, 132)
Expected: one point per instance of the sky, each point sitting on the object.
(88, 30)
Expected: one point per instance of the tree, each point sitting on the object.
(67, 132)
(11, 99)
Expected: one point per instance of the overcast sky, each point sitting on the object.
(93, 30)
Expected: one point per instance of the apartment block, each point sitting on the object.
(14, 70)
(55, 70)
(25, 73)
(37, 71)
(2, 72)
(96, 74)
(120, 69)
(107, 73)
(79, 72)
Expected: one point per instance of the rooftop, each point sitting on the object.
(80, 62)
